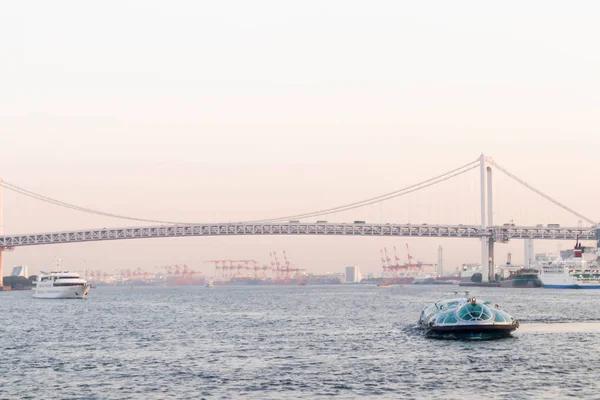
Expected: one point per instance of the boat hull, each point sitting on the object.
(68, 292)
(526, 282)
(477, 332)
(558, 286)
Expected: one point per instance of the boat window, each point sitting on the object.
(486, 314)
(500, 317)
(474, 312)
(451, 319)
(68, 284)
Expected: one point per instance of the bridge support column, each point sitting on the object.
(484, 239)
(490, 211)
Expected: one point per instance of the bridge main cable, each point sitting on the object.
(545, 196)
(37, 196)
(378, 199)
(346, 207)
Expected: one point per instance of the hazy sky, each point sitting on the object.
(218, 111)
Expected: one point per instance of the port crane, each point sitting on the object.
(418, 266)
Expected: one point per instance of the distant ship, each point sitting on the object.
(524, 278)
(423, 279)
(578, 271)
(246, 281)
(468, 270)
(60, 285)
(184, 280)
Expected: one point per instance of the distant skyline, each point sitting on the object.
(202, 111)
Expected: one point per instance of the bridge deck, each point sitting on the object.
(500, 233)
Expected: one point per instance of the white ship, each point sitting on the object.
(577, 271)
(423, 279)
(60, 285)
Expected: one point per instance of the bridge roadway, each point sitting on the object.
(499, 233)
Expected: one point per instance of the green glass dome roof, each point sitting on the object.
(475, 312)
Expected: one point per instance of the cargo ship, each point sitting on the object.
(246, 281)
(524, 278)
(185, 280)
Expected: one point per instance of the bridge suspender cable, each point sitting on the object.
(545, 196)
(46, 199)
(351, 206)
(381, 198)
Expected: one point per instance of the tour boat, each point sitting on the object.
(60, 285)
(466, 318)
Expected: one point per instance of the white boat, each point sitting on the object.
(578, 270)
(423, 279)
(60, 285)
(466, 318)
(208, 284)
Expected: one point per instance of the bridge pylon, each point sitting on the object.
(487, 243)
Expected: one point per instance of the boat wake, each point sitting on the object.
(560, 327)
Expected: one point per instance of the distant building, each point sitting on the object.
(353, 274)
(19, 270)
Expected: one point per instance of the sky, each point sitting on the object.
(232, 110)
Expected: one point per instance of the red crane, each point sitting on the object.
(286, 269)
(256, 268)
(265, 268)
(217, 265)
(385, 267)
(277, 269)
(419, 265)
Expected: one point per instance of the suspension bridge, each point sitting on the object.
(486, 232)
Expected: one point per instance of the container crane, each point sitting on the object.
(391, 268)
(277, 269)
(397, 266)
(385, 267)
(217, 265)
(419, 265)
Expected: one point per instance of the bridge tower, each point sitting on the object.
(487, 243)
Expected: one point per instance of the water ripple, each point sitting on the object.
(290, 343)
